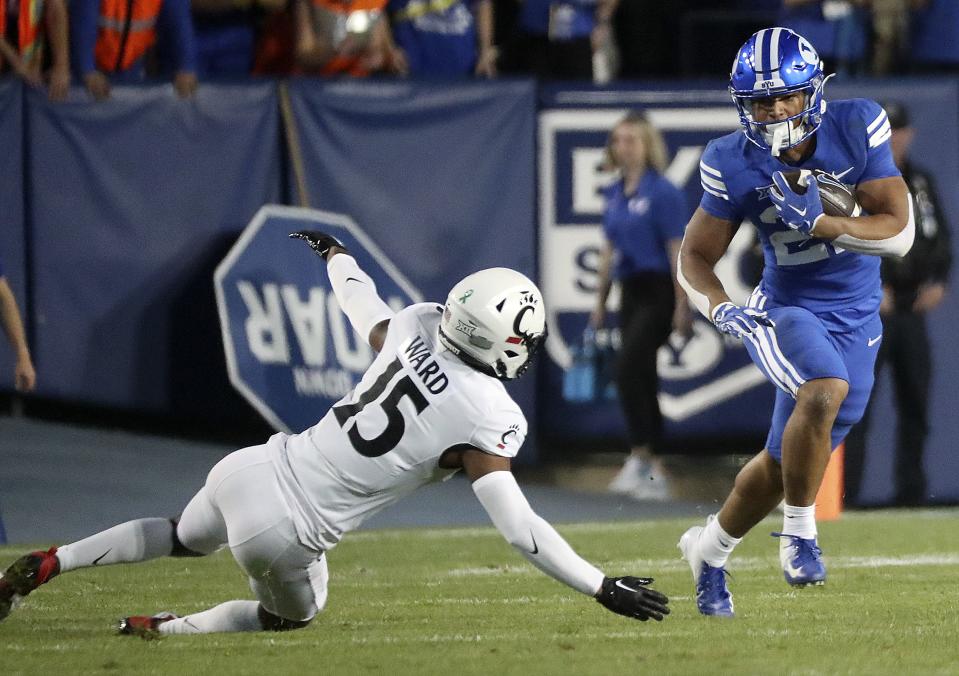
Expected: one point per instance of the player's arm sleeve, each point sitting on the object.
(355, 291)
(896, 245)
(529, 533)
(715, 201)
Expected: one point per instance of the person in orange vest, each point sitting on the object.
(112, 37)
(27, 29)
(340, 37)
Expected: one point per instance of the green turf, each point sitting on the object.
(460, 601)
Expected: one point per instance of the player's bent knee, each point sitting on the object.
(823, 396)
(271, 622)
(179, 549)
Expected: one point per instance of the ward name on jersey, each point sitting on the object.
(852, 144)
(384, 439)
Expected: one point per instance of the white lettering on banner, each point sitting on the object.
(315, 322)
(330, 383)
(265, 332)
(588, 179)
(309, 322)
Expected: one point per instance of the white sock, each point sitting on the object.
(229, 616)
(715, 544)
(800, 521)
(129, 542)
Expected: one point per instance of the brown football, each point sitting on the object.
(838, 199)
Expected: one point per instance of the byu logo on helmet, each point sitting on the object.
(506, 320)
(777, 62)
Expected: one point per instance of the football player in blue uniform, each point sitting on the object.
(812, 324)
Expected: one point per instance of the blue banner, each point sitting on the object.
(707, 380)
(12, 240)
(133, 200)
(290, 349)
(440, 176)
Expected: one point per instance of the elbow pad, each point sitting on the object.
(535, 539)
(897, 245)
(356, 293)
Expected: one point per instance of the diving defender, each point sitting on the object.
(431, 403)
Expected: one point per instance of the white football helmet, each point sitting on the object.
(494, 320)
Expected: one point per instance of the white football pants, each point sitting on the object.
(241, 506)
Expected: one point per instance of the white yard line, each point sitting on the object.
(735, 564)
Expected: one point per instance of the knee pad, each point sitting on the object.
(271, 622)
(179, 550)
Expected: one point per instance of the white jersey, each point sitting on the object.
(384, 439)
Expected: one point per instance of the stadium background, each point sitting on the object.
(112, 256)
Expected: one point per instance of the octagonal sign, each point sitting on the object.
(290, 350)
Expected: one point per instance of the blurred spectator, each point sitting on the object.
(226, 34)
(340, 37)
(890, 36)
(912, 286)
(442, 38)
(935, 36)
(112, 37)
(25, 29)
(555, 40)
(838, 28)
(24, 376)
(643, 224)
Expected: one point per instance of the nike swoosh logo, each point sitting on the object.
(839, 176)
(97, 560)
(354, 279)
(801, 213)
(620, 584)
(535, 546)
(793, 572)
(873, 341)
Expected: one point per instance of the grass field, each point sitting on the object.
(460, 601)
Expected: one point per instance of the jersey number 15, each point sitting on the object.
(387, 440)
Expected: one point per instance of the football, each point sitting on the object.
(838, 199)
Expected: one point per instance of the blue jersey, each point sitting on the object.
(439, 37)
(841, 287)
(640, 225)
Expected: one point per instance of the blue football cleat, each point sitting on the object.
(712, 597)
(801, 559)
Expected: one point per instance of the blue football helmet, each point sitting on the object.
(776, 61)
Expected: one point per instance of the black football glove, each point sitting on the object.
(320, 242)
(631, 597)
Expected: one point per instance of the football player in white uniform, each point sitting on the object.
(431, 403)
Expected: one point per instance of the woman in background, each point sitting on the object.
(643, 224)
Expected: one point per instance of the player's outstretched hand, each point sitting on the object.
(739, 321)
(799, 212)
(632, 597)
(320, 242)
